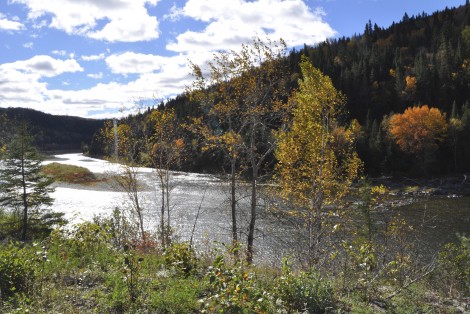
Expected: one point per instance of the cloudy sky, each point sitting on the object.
(101, 58)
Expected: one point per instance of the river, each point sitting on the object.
(437, 219)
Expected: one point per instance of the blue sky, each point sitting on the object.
(101, 58)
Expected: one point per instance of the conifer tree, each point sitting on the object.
(23, 188)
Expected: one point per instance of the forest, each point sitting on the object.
(310, 138)
(421, 61)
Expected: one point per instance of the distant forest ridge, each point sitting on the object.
(56, 133)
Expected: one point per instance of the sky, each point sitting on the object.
(108, 58)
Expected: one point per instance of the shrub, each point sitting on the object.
(234, 290)
(16, 270)
(306, 292)
(176, 295)
(85, 243)
(180, 257)
(454, 269)
(41, 223)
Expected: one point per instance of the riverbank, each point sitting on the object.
(449, 186)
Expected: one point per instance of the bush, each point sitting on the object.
(84, 244)
(306, 292)
(16, 270)
(234, 290)
(454, 269)
(10, 226)
(180, 257)
(41, 224)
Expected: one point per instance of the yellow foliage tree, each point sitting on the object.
(316, 158)
(419, 129)
(166, 147)
(129, 144)
(244, 92)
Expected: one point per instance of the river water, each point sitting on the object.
(200, 202)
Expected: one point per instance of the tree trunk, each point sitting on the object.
(140, 216)
(254, 196)
(233, 203)
(24, 227)
(251, 231)
(167, 192)
(162, 214)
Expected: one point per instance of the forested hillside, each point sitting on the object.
(422, 60)
(56, 133)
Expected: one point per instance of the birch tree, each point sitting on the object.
(246, 92)
(166, 147)
(316, 159)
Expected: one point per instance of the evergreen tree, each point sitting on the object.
(23, 187)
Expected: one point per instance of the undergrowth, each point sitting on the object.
(84, 269)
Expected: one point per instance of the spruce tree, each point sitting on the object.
(23, 188)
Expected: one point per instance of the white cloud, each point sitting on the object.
(124, 20)
(96, 76)
(174, 15)
(131, 62)
(43, 66)
(8, 25)
(59, 52)
(28, 45)
(228, 24)
(231, 23)
(93, 57)
(21, 86)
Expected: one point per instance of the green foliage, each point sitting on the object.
(23, 187)
(57, 132)
(360, 268)
(306, 292)
(41, 224)
(180, 257)
(17, 270)
(453, 270)
(234, 290)
(83, 244)
(131, 267)
(176, 295)
(10, 225)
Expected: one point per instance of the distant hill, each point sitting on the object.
(56, 133)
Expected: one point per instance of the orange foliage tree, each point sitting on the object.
(418, 130)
